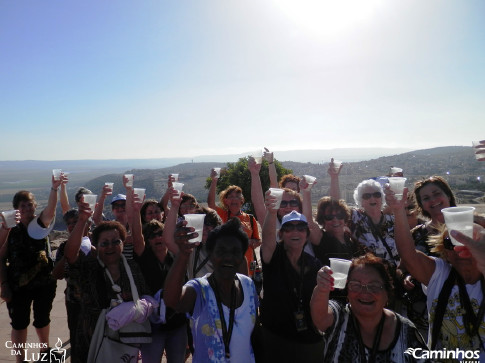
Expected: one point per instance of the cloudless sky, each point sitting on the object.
(151, 79)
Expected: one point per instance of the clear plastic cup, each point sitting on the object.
(129, 178)
(309, 179)
(336, 165)
(257, 156)
(459, 219)
(175, 177)
(218, 172)
(340, 269)
(10, 217)
(91, 200)
(278, 193)
(178, 187)
(140, 192)
(110, 186)
(479, 150)
(196, 221)
(394, 170)
(57, 174)
(397, 186)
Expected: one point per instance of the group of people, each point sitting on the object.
(407, 287)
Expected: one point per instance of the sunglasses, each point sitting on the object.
(447, 244)
(331, 217)
(367, 196)
(300, 227)
(115, 243)
(372, 288)
(291, 203)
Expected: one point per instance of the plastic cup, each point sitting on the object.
(140, 192)
(309, 179)
(340, 269)
(218, 172)
(393, 171)
(196, 221)
(396, 184)
(336, 165)
(10, 218)
(278, 193)
(257, 155)
(57, 174)
(175, 177)
(459, 219)
(110, 185)
(91, 200)
(479, 149)
(129, 178)
(178, 187)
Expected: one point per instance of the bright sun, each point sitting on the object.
(329, 17)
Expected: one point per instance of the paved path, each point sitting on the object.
(58, 329)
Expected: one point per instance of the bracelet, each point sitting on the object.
(54, 189)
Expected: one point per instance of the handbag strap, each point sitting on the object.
(134, 291)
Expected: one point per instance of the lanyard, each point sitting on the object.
(196, 268)
(226, 333)
(377, 339)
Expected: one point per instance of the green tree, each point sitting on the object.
(238, 174)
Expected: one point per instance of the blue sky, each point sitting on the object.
(150, 79)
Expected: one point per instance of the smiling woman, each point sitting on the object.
(326, 18)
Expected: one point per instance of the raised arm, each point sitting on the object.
(170, 225)
(315, 230)
(71, 250)
(179, 297)
(49, 212)
(268, 245)
(167, 195)
(64, 199)
(211, 198)
(273, 176)
(322, 314)
(334, 180)
(257, 197)
(420, 266)
(98, 211)
(133, 206)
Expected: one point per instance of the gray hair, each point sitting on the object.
(360, 190)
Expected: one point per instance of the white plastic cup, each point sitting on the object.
(309, 179)
(459, 219)
(336, 165)
(257, 156)
(178, 187)
(393, 170)
(110, 186)
(479, 149)
(196, 221)
(91, 200)
(57, 174)
(396, 184)
(9, 217)
(278, 194)
(175, 177)
(340, 269)
(218, 172)
(140, 192)
(129, 178)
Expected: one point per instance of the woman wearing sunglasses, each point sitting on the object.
(455, 286)
(289, 278)
(363, 330)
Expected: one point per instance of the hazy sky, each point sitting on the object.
(97, 79)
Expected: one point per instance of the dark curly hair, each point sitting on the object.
(232, 228)
(380, 265)
(108, 226)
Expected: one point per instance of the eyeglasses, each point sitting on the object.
(372, 288)
(115, 243)
(238, 196)
(118, 205)
(156, 234)
(367, 196)
(288, 227)
(291, 203)
(331, 217)
(447, 244)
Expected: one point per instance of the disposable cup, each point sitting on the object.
(178, 187)
(57, 174)
(479, 149)
(218, 172)
(393, 171)
(278, 193)
(396, 184)
(310, 179)
(91, 200)
(459, 219)
(257, 155)
(9, 217)
(110, 185)
(196, 221)
(140, 192)
(129, 182)
(336, 165)
(340, 269)
(175, 177)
